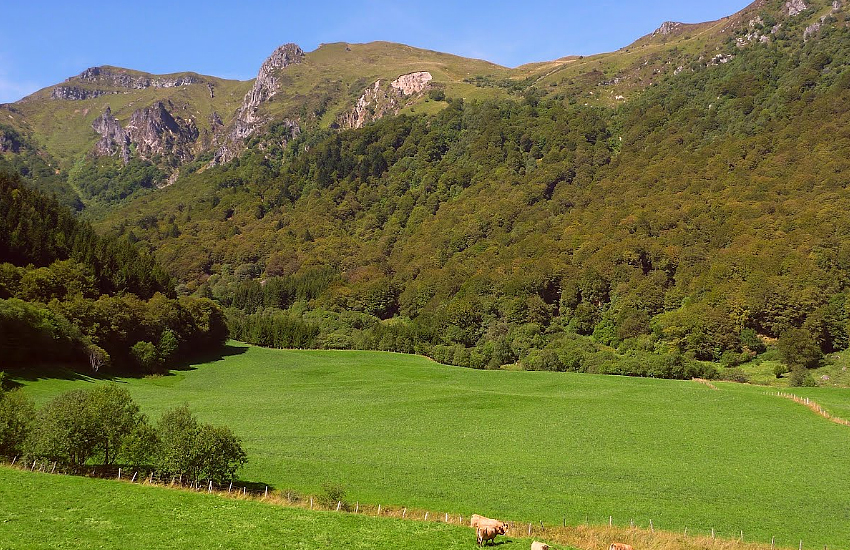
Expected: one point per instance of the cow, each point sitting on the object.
(480, 521)
(620, 546)
(488, 533)
(539, 546)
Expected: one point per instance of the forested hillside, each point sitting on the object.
(534, 215)
(69, 295)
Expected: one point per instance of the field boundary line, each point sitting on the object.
(813, 406)
(580, 535)
(705, 383)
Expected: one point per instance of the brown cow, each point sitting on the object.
(488, 533)
(539, 546)
(620, 546)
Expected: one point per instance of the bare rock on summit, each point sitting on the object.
(95, 79)
(668, 27)
(265, 87)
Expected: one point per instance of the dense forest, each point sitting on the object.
(697, 222)
(683, 231)
(69, 295)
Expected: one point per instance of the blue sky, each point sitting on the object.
(44, 42)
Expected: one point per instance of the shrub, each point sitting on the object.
(17, 413)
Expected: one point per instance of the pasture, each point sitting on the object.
(403, 431)
(40, 511)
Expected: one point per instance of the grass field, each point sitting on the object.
(401, 430)
(43, 511)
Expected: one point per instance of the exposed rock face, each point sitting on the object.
(155, 131)
(413, 83)
(115, 78)
(379, 99)
(795, 7)
(120, 79)
(75, 93)
(668, 27)
(265, 87)
(112, 136)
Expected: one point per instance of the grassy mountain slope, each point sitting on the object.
(682, 194)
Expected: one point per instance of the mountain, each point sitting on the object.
(682, 198)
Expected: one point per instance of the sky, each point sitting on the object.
(44, 42)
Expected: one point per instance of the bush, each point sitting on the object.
(17, 414)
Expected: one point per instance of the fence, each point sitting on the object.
(814, 406)
(587, 535)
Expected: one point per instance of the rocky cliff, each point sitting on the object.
(156, 132)
(99, 81)
(153, 131)
(265, 87)
(113, 138)
(380, 99)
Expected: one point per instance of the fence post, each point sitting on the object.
(150, 481)
(379, 509)
(311, 503)
(267, 492)
(447, 517)
(529, 529)
(54, 468)
(230, 487)
(338, 504)
(357, 507)
(244, 491)
(610, 521)
(426, 516)
(712, 532)
(210, 489)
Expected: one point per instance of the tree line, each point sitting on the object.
(67, 294)
(104, 427)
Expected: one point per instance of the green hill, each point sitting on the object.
(678, 200)
(402, 431)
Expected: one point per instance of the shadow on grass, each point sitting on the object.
(15, 376)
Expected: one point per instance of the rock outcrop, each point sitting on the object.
(379, 99)
(95, 79)
(795, 7)
(122, 79)
(75, 93)
(113, 138)
(153, 131)
(668, 27)
(265, 87)
(156, 132)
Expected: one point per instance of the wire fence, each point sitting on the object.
(814, 406)
(647, 534)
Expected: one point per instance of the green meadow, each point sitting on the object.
(528, 446)
(40, 511)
